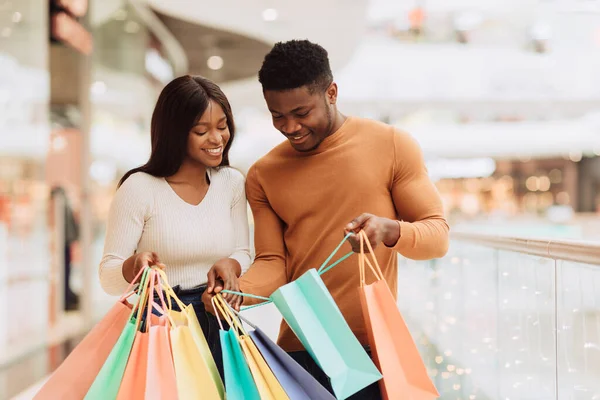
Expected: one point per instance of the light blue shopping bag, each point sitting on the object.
(310, 311)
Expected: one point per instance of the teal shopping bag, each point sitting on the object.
(108, 381)
(310, 311)
(239, 383)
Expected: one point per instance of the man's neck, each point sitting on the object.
(338, 121)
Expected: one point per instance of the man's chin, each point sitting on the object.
(305, 147)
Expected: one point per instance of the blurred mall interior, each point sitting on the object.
(502, 95)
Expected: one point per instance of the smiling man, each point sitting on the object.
(335, 174)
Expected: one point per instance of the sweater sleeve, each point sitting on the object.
(268, 272)
(239, 216)
(128, 214)
(423, 228)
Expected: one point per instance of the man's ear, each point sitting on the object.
(331, 93)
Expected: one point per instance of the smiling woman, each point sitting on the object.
(185, 209)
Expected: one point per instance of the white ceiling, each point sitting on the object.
(335, 24)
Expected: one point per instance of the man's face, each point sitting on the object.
(304, 118)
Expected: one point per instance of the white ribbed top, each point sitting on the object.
(147, 215)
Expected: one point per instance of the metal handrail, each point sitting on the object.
(568, 250)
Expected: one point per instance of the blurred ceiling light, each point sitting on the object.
(98, 88)
(120, 15)
(17, 17)
(270, 14)
(575, 156)
(215, 63)
(555, 176)
(532, 183)
(132, 27)
(543, 183)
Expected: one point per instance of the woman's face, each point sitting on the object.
(208, 138)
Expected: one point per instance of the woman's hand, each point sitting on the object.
(224, 275)
(134, 264)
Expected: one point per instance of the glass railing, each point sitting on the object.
(507, 318)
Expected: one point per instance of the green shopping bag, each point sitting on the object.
(239, 383)
(107, 382)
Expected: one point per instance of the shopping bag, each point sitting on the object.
(310, 311)
(394, 351)
(73, 378)
(267, 384)
(196, 373)
(296, 382)
(107, 383)
(239, 382)
(308, 308)
(135, 383)
(161, 382)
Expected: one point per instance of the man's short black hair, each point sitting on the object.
(296, 63)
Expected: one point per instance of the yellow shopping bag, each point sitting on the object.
(195, 369)
(268, 386)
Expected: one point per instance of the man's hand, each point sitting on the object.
(224, 275)
(208, 305)
(378, 229)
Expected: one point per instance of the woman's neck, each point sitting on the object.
(191, 173)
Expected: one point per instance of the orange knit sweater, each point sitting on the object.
(301, 203)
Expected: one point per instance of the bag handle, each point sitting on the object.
(171, 295)
(143, 300)
(225, 307)
(362, 259)
(129, 291)
(322, 269)
(139, 290)
(234, 324)
(240, 316)
(153, 305)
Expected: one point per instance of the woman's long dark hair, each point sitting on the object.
(179, 107)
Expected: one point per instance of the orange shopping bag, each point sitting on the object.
(161, 382)
(394, 351)
(73, 378)
(148, 355)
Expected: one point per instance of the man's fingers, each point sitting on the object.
(357, 222)
(227, 286)
(371, 236)
(218, 286)
(211, 277)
